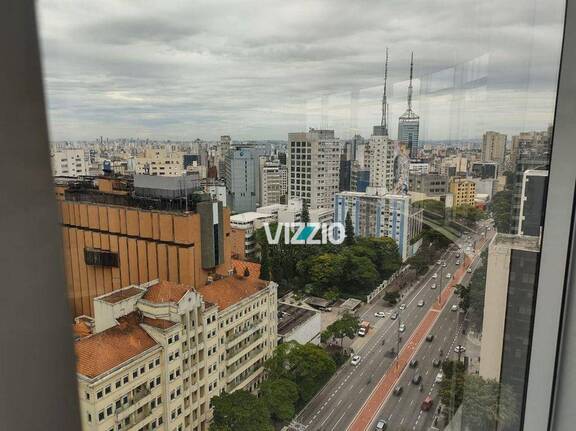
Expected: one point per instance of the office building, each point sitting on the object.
(156, 353)
(409, 122)
(494, 147)
(509, 298)
(160, 161)
(69, 163)
(215, 188)
(114, 237)
(243, 229)
(345, 175)
(419, 167)
(314, 167)
(429, 184)
(379, 215)
(291, 212)
(484, 170)
(272, 177)
(224, 146)
(381, 162)
(531, 216)
(241, 179)
(463, 191)
(359, 178)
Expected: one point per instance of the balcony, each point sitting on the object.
(235, 370)
(234, 338)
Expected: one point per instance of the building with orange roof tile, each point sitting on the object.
(156, 353)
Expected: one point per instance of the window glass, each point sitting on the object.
(353, 191)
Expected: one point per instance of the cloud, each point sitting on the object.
(255, 69)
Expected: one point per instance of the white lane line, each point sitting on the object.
(337, 422)
(327, 417)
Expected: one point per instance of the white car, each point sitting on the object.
(355, 360)
(454, 308)
(459, 349)
(435, 276)
(469, 270)
(438, 262)
(457, 262)
(420, 303)
(379, 314)
(448, 275)
(402, 307)
(444, 265)
(433, 286)
(439, 377)
(402, 327)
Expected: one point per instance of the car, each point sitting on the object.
(434, 275)
(402, 327)
(355, 360)
(459, 349)
(457, 262)
(439, 377)
(381, 425)
(362, 332)
(489, 228)
(438, 262)
(430, 337)
(454, 308)
(426, 404)
(413, 363)
(379, 314)
(433, 286)
(398, 390)
(394, 316)
(436, 363)
(457, 255)
(469, 270)
(416, 379)
(448, 275)
(444, 265)
(402, 307)
(420, 303)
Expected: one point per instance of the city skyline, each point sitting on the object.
(180, 72)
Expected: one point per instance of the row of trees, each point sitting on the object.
(485, 403)
(294, 374)
(472, 296)
(354, 268)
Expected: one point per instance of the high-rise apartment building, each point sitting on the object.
(272, 176)
(314, 167)
(156, 353)
(429, 184)
(224, 147)
(409, 122)
(241, 180)
(114, 237)
(485, 170)
(494, 148)
(160, 161)
(531, 216)
(509, 301)
(463, 191)
(69, 162)
(381, 162)
(379, 215)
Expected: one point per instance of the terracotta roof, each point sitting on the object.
(165, 291)
(81, 329)
(241, 265)
(158, 323)
(119, 295)
(230, 290)
(103, 351)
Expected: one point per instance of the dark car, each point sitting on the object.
(413, 363)
(394, 316)
(429, 337)
(398, 390)
(416, 379)
(436, 363)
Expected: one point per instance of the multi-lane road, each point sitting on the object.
(342, 399)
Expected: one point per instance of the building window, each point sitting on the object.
(100, 258)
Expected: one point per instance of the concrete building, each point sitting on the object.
(454, 165)
(381, 162)
(272, 176)
(463, 190)
(241, 179)
(379, 215)
(429, 184)
(419, 167)
(224, 146)
(216, 189)
(494, 147)
(359, 178)
(69, 163)
(314, 167)
(291, 212)
(159, 161)
(485, 170)
(113, 237)
(509, 302)
(297, 323)
(157, 353)
(247, 224)
(531, 217)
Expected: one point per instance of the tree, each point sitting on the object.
(502, 211)
(432, 208)
(452, 387)
(349, 230)
(346, 326)
(264, 264)
(391, 297)
(240, 411)
(307, 365)
(487, 404)
(469, 214)
(305, 216)
(280, 396)
(463, 292)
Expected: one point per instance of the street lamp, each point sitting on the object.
(440, 283)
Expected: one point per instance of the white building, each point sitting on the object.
(272, 177)
(159, 161)
(216, 189)
(298, 323)
(292, 213)
(69, 163)
(494, 147)
(381, 162)
(314, 167)
(248, 223)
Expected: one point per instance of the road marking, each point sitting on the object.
(338, 421)
(327, 417)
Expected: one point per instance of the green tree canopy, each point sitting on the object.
(346, 326)
(240, 411)
(280, 396)
(349, 230)
(502, 210)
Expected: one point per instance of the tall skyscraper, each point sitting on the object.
(494, 148)
(409, 122)
(240, 177)
(314, 167)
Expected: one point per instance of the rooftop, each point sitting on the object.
(121, 294)
(248, 217)
(165, 291)
(517, 242)
(290, 317)
(99, 353)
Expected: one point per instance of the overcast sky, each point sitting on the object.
(260, 69)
